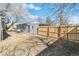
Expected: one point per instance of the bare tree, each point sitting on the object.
(61, 12)
(14, 12)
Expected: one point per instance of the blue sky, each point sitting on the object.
(42, 11)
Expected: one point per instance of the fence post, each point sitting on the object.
(76, 33)
(67, 33)
(48, 31)
(59, 32)
(37, 31)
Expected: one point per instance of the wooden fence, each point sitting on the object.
(65, 32)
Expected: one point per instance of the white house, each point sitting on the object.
(28, 25)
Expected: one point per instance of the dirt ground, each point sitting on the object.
(21, 44)
(61, 48)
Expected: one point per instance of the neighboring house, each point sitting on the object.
(29, 25)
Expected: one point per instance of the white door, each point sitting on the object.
(34, 29)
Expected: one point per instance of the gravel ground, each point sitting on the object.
(61, 48)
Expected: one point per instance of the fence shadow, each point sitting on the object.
(61, 48)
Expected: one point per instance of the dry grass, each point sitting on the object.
(21, 44)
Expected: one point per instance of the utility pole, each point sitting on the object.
(1, 25)
(1, 29)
